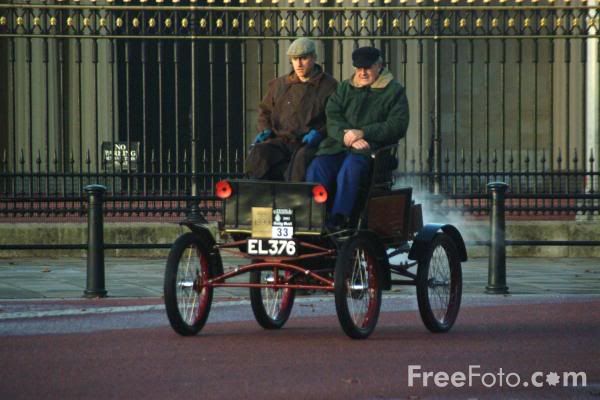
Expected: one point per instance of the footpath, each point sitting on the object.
(65, 278)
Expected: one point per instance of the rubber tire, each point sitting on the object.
(425, 309)
(258, 306)
(343, 269)
(178, 322)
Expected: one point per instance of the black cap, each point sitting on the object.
(364, 57)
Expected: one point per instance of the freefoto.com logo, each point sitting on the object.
(499, 378)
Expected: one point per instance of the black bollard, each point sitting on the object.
(95, 250)
(497, 260)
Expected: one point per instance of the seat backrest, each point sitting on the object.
(385, 162)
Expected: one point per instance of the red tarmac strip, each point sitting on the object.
(311, 358)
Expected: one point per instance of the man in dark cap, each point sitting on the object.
(367, 111)
(291, 120)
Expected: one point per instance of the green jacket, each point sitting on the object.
(380, 110)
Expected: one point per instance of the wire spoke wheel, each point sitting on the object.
(358, 287)
(439, 284)
(187, 298)
(271, 306)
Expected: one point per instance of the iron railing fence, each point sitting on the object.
(157, 100)
(55, 196)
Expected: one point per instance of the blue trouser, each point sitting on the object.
(340, 174)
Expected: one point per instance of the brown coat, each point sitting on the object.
(291, 108)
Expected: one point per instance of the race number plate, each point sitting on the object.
(271, 247)
(283, 223)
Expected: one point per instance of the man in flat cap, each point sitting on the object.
(291, 119)
(367, 112)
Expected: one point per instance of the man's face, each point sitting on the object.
(366, 76)
(303, 65)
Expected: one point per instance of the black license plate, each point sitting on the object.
(271, 247)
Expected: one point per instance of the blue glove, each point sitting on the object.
(262, 136)
(312, 138)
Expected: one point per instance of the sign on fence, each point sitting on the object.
(120, 156)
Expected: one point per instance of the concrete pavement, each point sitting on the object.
(65, 278)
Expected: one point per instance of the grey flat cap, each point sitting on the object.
(301, 47)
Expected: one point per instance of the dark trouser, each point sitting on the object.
(341, 174)
(279, 160)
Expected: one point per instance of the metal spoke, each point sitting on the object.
(439, 283)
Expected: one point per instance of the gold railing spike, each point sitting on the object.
(203, 23)
(219, 23)
(315, 24)
(331, 23)
(494, 22)
(347, 23)
(363, 23)
(135, 22)
(396, 23)
(168, 22)
(151, 22)
(36, 21)
(102, 22)
(86, 22)
(299, 24)
(511, 22)
(479, 23)
(543, 22)
(69, 21)
(380, 23)
(235, 23)
(20, 21)
(446, 22)
(2, 20)
(575, 21)
(428, 22)
(283, 23)
(526, 22)
(251, 23)
(462, 23)
(267, 23)
(53, 21)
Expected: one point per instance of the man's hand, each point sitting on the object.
(262, 136)
(360, 144)
(352, 135)
(312, 138)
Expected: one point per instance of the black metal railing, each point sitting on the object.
(156, 101)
